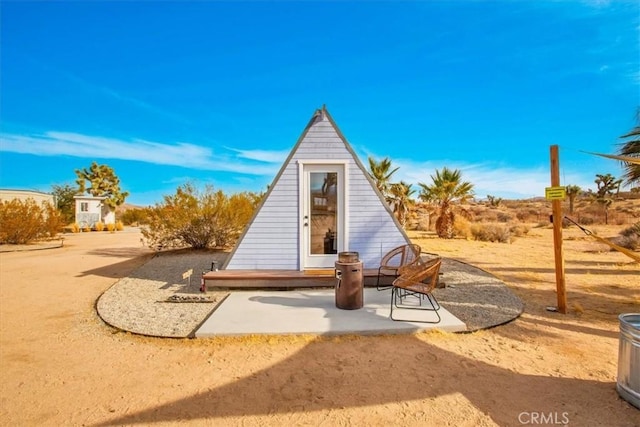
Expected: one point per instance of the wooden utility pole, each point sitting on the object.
(556, 205)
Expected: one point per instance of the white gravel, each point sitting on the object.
(138, 303)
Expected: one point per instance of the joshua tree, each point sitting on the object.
(379, 171)
(607, 184)
(103, 183)
(446, 189)
(400, 199)
(494, 201)
(572, 192)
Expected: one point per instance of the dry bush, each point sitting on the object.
(119, 226)
(586, 220)
(477, 211)
(111, 227)
(503, 217)
(462, 227)
(634, 230)
(22, 222)
(629, 238)
(519, 230)
(135, 216)
(198, 220)
(99, 226)
(487, 215)
(53, 220)
(491, 233)
(523, 215)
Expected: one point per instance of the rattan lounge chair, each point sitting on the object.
(395, 259)
(412, 289)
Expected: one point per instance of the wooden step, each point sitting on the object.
(277, 279)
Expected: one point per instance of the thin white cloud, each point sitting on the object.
(262, 155)
(180, 154)
(487, 178)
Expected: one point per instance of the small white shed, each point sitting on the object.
(91, 210)
(322, 202)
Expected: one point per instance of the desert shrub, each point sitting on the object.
(119, 226)
(111, 227)
(134, 216)
(491, 233)
(53, 220)
(488, 215)
(522, 215)
(461, 227)
(634, 230)
(464, 213)
(587, 220)
(23, 221)
(198, 219)
(519, 230)
(477, 210)
(628, 242)
(503, 217)
(629, 238)
(20, 221)
(99, 226)
(75, 228)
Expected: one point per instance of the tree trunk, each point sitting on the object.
(444, 223)
(572, 199)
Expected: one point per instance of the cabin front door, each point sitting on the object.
(322, 214)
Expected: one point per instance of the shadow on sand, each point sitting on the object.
(321, 377)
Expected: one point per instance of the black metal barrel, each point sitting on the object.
(350, 283)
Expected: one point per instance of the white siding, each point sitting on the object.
(97, 211)
(372, 230)
(272, 240)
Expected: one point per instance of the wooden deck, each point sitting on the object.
(278, 279)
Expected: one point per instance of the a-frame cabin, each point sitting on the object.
(321, 202)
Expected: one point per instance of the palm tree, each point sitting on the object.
(446, 189)
(572, 192)
(400, 198)
(631, 148)
(379, 172)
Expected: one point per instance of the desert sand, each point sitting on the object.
(61, 365)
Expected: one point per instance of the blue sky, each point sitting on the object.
(219, 92)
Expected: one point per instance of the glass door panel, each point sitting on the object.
(323, 193)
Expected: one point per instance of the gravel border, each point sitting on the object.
(141, 303)
(476, 297)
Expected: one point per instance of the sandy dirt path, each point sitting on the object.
(62, 366)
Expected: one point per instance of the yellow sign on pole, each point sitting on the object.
(555, 193)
